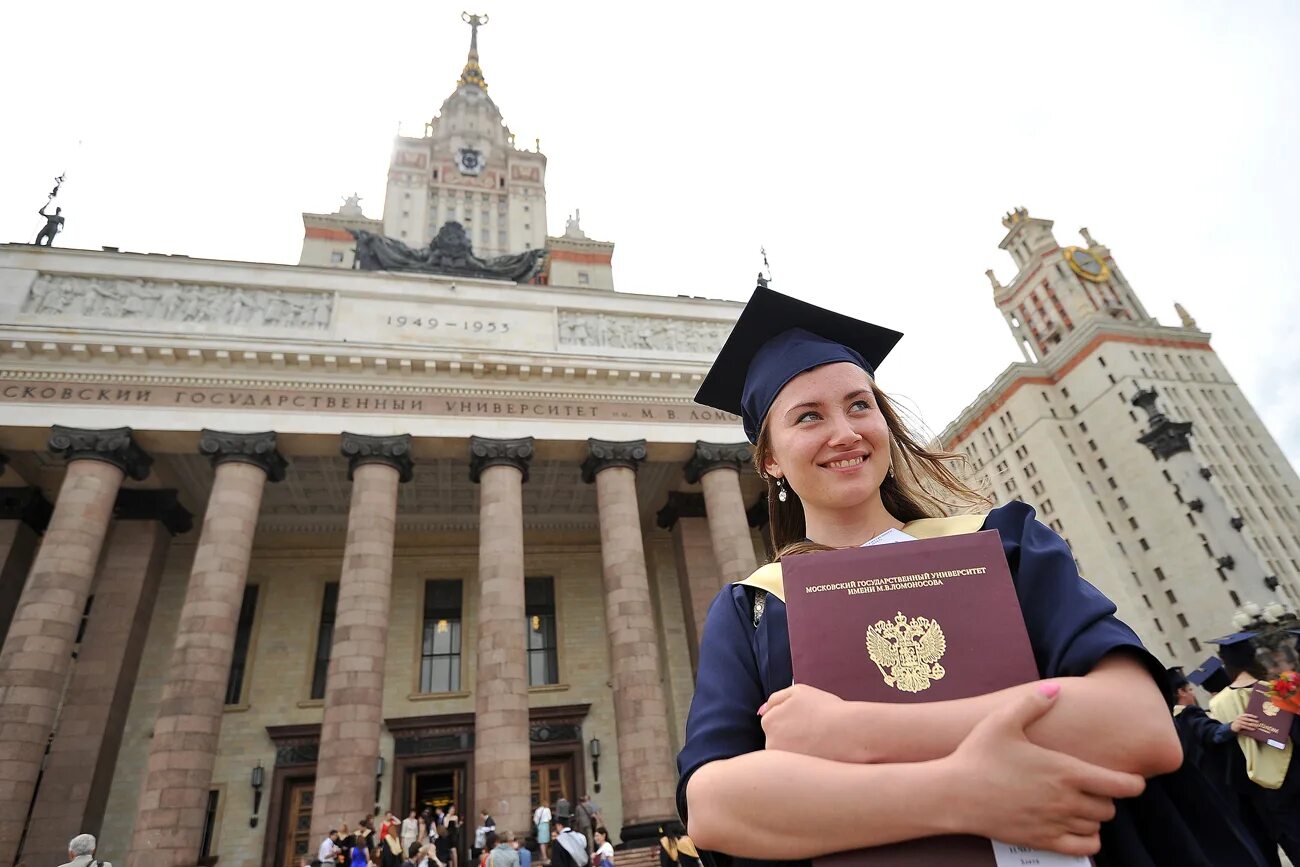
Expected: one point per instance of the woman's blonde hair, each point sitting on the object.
(921, 485)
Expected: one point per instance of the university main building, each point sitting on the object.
(279, 544)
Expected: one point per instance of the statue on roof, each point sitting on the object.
(449, 253)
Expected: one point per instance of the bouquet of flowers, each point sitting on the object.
(1285, 691)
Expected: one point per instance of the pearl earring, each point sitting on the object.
(780, 490)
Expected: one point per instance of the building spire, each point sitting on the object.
(473, 73)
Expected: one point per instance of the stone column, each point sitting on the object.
(79, 769)
(716, 466)
(354, 687)
(501, 745)
(24, 515)
(178, 771)
(698, 577)
(645, 762)
(37, 652)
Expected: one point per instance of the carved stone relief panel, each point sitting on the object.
(655, 333)
(113, 298)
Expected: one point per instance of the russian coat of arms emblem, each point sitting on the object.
(907, 651)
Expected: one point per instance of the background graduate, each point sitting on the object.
(1267, 780)
(775, 772)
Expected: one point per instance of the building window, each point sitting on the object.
(440, 638)
(1160, 573)
(243, 637)
(1133, 522)
(336, 256)
(1169, 594)
(539, 612)
(1196, 645)
(209, 824)
(1123, 503)
(1182, 620)
(325, 638)
(1142, 543)
(1047, 507)
(584, 278)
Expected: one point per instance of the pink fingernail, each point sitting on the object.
(1049, 689)
(762, 708)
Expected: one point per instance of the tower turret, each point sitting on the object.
(1056, 288)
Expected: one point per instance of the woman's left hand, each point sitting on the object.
(805, 720)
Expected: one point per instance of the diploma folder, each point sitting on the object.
(1274, 723)
(918, 621)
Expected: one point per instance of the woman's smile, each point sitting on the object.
(847, 463)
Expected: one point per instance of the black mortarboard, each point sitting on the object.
(1210, 676)
(1236, 649)
(777, 338)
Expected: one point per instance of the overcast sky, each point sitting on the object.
(871, 147)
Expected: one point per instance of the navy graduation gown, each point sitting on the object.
(1071, 626)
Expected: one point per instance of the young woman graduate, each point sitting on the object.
(775, 772)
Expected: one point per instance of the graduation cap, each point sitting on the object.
(1210, 676)
(1236, 649)
(777, 338)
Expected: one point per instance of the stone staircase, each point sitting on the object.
(641, 857)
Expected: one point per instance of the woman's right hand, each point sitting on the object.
(1246, 722)
(1019, 793)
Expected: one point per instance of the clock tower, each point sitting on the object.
(467, 168)
(1056, 288)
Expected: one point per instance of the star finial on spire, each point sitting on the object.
(473, 73)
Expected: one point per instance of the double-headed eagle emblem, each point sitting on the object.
(907, 652)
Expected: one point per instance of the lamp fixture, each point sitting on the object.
(257, 780)
(593, 746)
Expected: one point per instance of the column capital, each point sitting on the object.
(716, 456)
(257, 449)
(27, 505)
(163, 506)
(486, 452)
(602, 454)
(113, 446)
(680, 505)
(393, 451)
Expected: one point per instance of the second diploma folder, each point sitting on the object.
(927, 620)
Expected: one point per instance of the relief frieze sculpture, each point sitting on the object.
(658, 333)
(112, 298)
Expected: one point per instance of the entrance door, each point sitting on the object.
(436, 787)
(295, 823)
(441, 786)
(551, 779)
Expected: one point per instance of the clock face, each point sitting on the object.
(469, 161)
(1087, 262)
(1086, 265)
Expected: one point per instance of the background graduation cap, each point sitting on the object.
(1210, 676)
(1237, 649)
(777, 338)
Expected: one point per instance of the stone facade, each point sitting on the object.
(171, 793)
(1061, 431)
